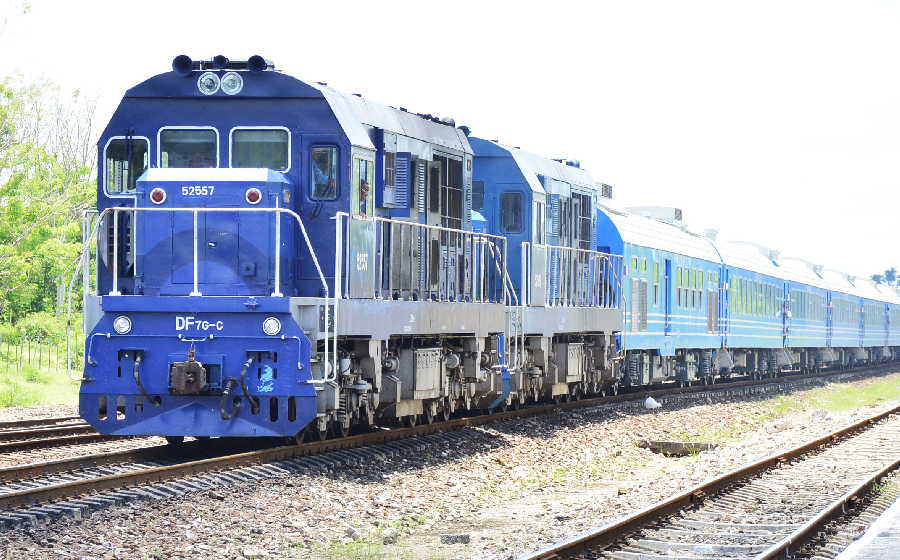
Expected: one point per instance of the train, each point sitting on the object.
(271, 257)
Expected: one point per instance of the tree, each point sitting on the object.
(890, 276)
(46, 170)
(877, 278)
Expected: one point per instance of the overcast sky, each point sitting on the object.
(775, 122)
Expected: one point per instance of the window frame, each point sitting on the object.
(231, 144)
(103, 166)
(337, 180)
(175, 127)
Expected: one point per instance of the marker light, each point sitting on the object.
(208, 83)
(232, 83)
(122, 324)
(157, 196)
(271, 326)
(253, 195)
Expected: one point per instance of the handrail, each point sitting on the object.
(114, 210)
(459, 271)
(609, 267)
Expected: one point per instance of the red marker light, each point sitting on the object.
(253, 196)
(158, 196)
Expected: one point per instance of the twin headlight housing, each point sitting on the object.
(209, 83)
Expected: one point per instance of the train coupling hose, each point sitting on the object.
(230, 384)
(254, 401)
(136, 373)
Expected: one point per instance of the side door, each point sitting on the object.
(786, 315)
(361, 264)
(668, 297)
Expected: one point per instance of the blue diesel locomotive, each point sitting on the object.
(271, 257)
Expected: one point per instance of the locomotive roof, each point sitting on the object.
(354, 113)
(656, 234)
(534, 166)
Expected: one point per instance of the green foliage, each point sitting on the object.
(46, 181)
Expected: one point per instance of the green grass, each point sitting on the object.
(32, 386)
(840, 397)
(835, 397)
(369, 545)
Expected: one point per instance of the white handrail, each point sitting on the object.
(114, 210)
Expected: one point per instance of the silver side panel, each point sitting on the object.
(92, 312)
(548, 321)
(381, 319)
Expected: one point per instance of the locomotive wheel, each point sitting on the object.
(340, 429)
(614, 389)
(445, 412)
(428, 415)
(312, 433)
(174, 440)
(410, 421)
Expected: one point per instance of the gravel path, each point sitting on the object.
(514, 487)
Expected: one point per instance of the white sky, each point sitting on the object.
(775, 122)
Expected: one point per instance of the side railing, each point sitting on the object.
(399, 260)
(92, 229)
(554, 276)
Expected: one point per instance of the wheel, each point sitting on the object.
(340, 429)
(614, 389)
(445, 411)
(557, 399)
(428, 415)
(175, 440)
(410, 421)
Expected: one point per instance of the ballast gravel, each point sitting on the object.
(504, 490)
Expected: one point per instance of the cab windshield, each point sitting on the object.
(188, 148)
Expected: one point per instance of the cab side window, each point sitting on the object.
(323, 173)
(125, 160)
(511, 212)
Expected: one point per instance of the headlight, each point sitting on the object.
(232, 83)
(271, 326)
(122, 324)
(208, 83)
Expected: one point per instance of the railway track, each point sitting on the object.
(31, 493)
(23, 435)
(767, 509)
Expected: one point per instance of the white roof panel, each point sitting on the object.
(647, 232)
(355, 113)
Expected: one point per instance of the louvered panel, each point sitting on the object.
(401, 179)
(635, 318)
(421, 175)
(555, 217)
(421, 250)
(643, 304)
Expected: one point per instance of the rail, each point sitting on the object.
(40, 493)
(395, 259)
(82, 266)
(572, 277)
(617, 531)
